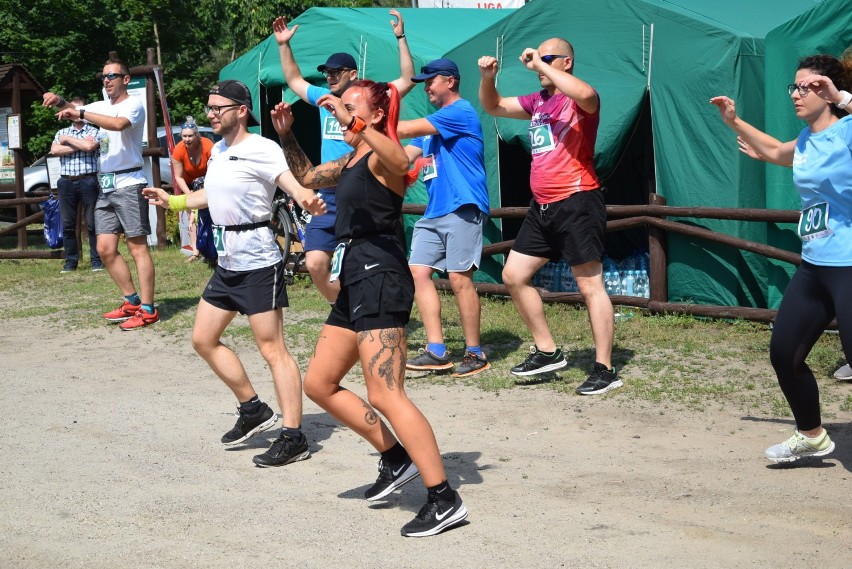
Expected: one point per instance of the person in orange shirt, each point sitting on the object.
(189, 161)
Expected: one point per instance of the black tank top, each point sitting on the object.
(365, 206)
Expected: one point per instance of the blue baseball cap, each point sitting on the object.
(443, 66)
(338, 61)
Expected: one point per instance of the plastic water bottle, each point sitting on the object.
(640, 285)
(611, 283)
(557, 277)
(628, 282)
(566, 278)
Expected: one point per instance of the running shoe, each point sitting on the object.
(436, 516)
(427, 361)
(140, 320)
(123, 312)
(844, 373)
(68, 268)
(248, 425)
(97, 267)
(539, 362)
(391, 477)
(471, 365)
(600, 381)
(284, 450)
(799, 446)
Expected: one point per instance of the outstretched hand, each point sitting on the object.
(312, 202)
(282, 118)
(283, 34)
(748, 149)
(156, 196)
(397, 25)
(727, 108)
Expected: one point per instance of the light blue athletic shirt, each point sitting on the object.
(822, 172)
(458, 154)
(333, 146)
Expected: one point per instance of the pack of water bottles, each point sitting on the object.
(629, 276)
(555, 277)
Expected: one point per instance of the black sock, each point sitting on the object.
(443, 491)
(395, 454)
(295, 434)
(251, 407)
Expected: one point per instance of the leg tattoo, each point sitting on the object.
(393, 366)
(370, 416)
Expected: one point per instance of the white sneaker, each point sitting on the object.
(799, 446)
(844, 373)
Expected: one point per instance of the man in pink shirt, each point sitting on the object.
(567, 216)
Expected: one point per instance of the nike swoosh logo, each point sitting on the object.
(440, 517)
(353, 312)
(396, 472)
(368, 267)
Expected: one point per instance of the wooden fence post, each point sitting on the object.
(659, 280)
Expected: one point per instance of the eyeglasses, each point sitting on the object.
(551, 58)
(333, 73)
(112, 76)
(189, 125)
(802, 89)
(217, 109)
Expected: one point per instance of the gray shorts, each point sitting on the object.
(123, 211)
(451, 243)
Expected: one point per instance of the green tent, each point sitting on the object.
(655, 64)
(366, 34)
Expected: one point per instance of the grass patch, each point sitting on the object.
(669, 361)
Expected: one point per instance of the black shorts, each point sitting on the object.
(376, 302)
(247, 292)
(572, 229)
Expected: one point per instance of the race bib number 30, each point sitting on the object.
(813, 222)
(107, 182)
(541, 139)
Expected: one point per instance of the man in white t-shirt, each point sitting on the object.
(121, 207)
(242, 174)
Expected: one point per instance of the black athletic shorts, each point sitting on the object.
(572, 229)
(247, 292)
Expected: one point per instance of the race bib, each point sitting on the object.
(107, 182)
(430, 168)
(337, 262)
(219, 239)
(541, 139)
(813, 222)
(331, 129)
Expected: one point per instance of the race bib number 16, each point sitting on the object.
(541, 139)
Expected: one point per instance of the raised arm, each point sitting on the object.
(403, 83)
(566, 83)
(491, 100)
(292, 73)
(308, 175)
(771, 149)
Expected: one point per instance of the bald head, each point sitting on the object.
(559, 46)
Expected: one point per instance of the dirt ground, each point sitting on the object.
(111, 458)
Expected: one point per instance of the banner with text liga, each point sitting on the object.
(471, 3)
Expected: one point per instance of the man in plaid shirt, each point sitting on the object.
(77, 147)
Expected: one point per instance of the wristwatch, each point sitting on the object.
(82, 112)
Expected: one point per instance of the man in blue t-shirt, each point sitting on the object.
(447, 145)
(340, 70)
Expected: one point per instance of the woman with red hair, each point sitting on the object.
(367, 322)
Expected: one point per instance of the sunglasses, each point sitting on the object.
(802, 89)
(113, 76)
(333, 73)
(551, 58)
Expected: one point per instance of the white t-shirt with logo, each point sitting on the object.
(240, 186)
(122, 150)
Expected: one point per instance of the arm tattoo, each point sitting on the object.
(392, 369)
(314, 177)
(370, 416)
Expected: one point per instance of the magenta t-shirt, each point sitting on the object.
(562, 139)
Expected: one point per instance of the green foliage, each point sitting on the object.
(64, 44)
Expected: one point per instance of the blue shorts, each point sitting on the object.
(451, 243)
(319, 234)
